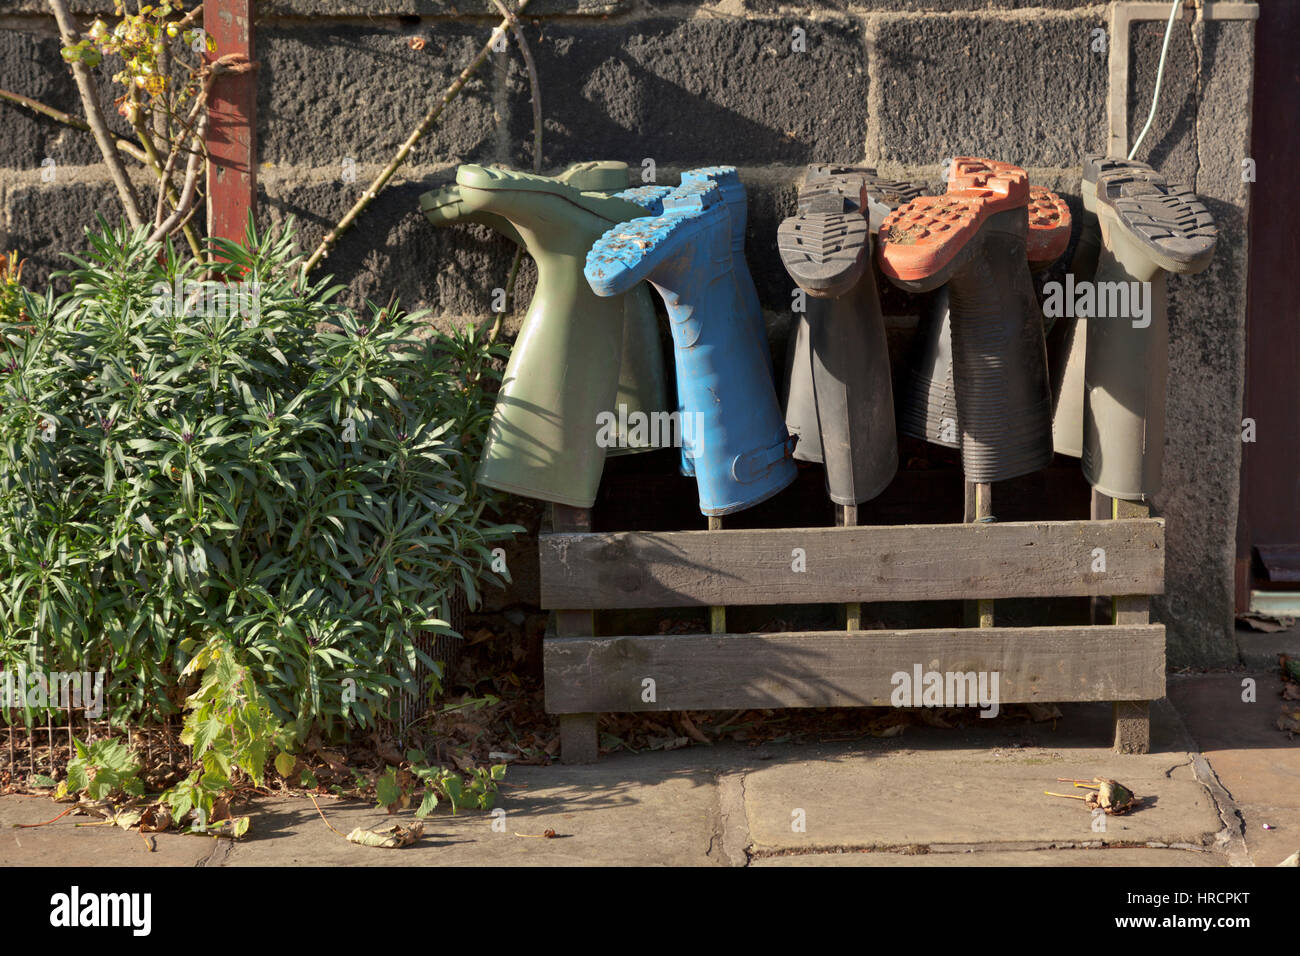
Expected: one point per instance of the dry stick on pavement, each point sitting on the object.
(29, 826)
(404, 150)
(312, 798)
(36, 106)
(95, 118)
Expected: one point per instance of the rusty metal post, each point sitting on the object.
(232, 126)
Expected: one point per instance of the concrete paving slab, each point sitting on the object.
(665, 816)
(1109, 856)
(1257, 764)
(970, 797)
(63, 843)
(1270, 847)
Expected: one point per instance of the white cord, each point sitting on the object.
(1160, 75)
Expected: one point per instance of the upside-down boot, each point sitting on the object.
(798, 391)
(827, 251)
(737, 200)
(929, 404)
(556, 413)
(973, 238)
(727, 178)
(642, 388)
(742, 449)
(1149, 227)
(1066, 342)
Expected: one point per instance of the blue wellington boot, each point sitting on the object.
(727, 178)
(743, 453)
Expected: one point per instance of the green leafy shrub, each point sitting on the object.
(277, 473)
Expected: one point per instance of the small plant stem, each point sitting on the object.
(29, 826)
(165, 189)
(312, 798)
(380, 181)
(95, 119)
(36, 106)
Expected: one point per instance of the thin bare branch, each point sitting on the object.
(95, 118)
(230, 63)
(534, 84)
(380, 181)
(36, 106)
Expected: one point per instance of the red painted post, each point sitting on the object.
(232, 126)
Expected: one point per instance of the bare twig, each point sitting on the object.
(36, 106)
(312, 798)
(426, 124)
(534, 84)
(95, 119)
(535, 87)
(230, 63)
(29, 826)
(166, 192)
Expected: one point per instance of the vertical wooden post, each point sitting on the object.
(978, 506)
(579, 740)
(847, 516)
(1101, 509)
(717, 615)
(1132, 718)
(983, 511)
(232, 124)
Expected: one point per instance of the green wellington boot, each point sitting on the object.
(642, 389)
(1065, 343)
(1149, 227)
(553, 421)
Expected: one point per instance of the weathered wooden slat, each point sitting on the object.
(838, 565)
(848, 669)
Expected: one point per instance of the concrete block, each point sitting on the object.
(1170, 144)
(1028, 90)
(658, 88)
(44, 221)
(334, 92)
(1203, 451)
(30, 65)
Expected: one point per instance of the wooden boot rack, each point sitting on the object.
(1122, 661)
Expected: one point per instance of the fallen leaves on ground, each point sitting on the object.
(388, 838)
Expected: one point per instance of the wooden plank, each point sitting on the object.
(633, 569)
(842, 669)
(232, 127)
(579, 737)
